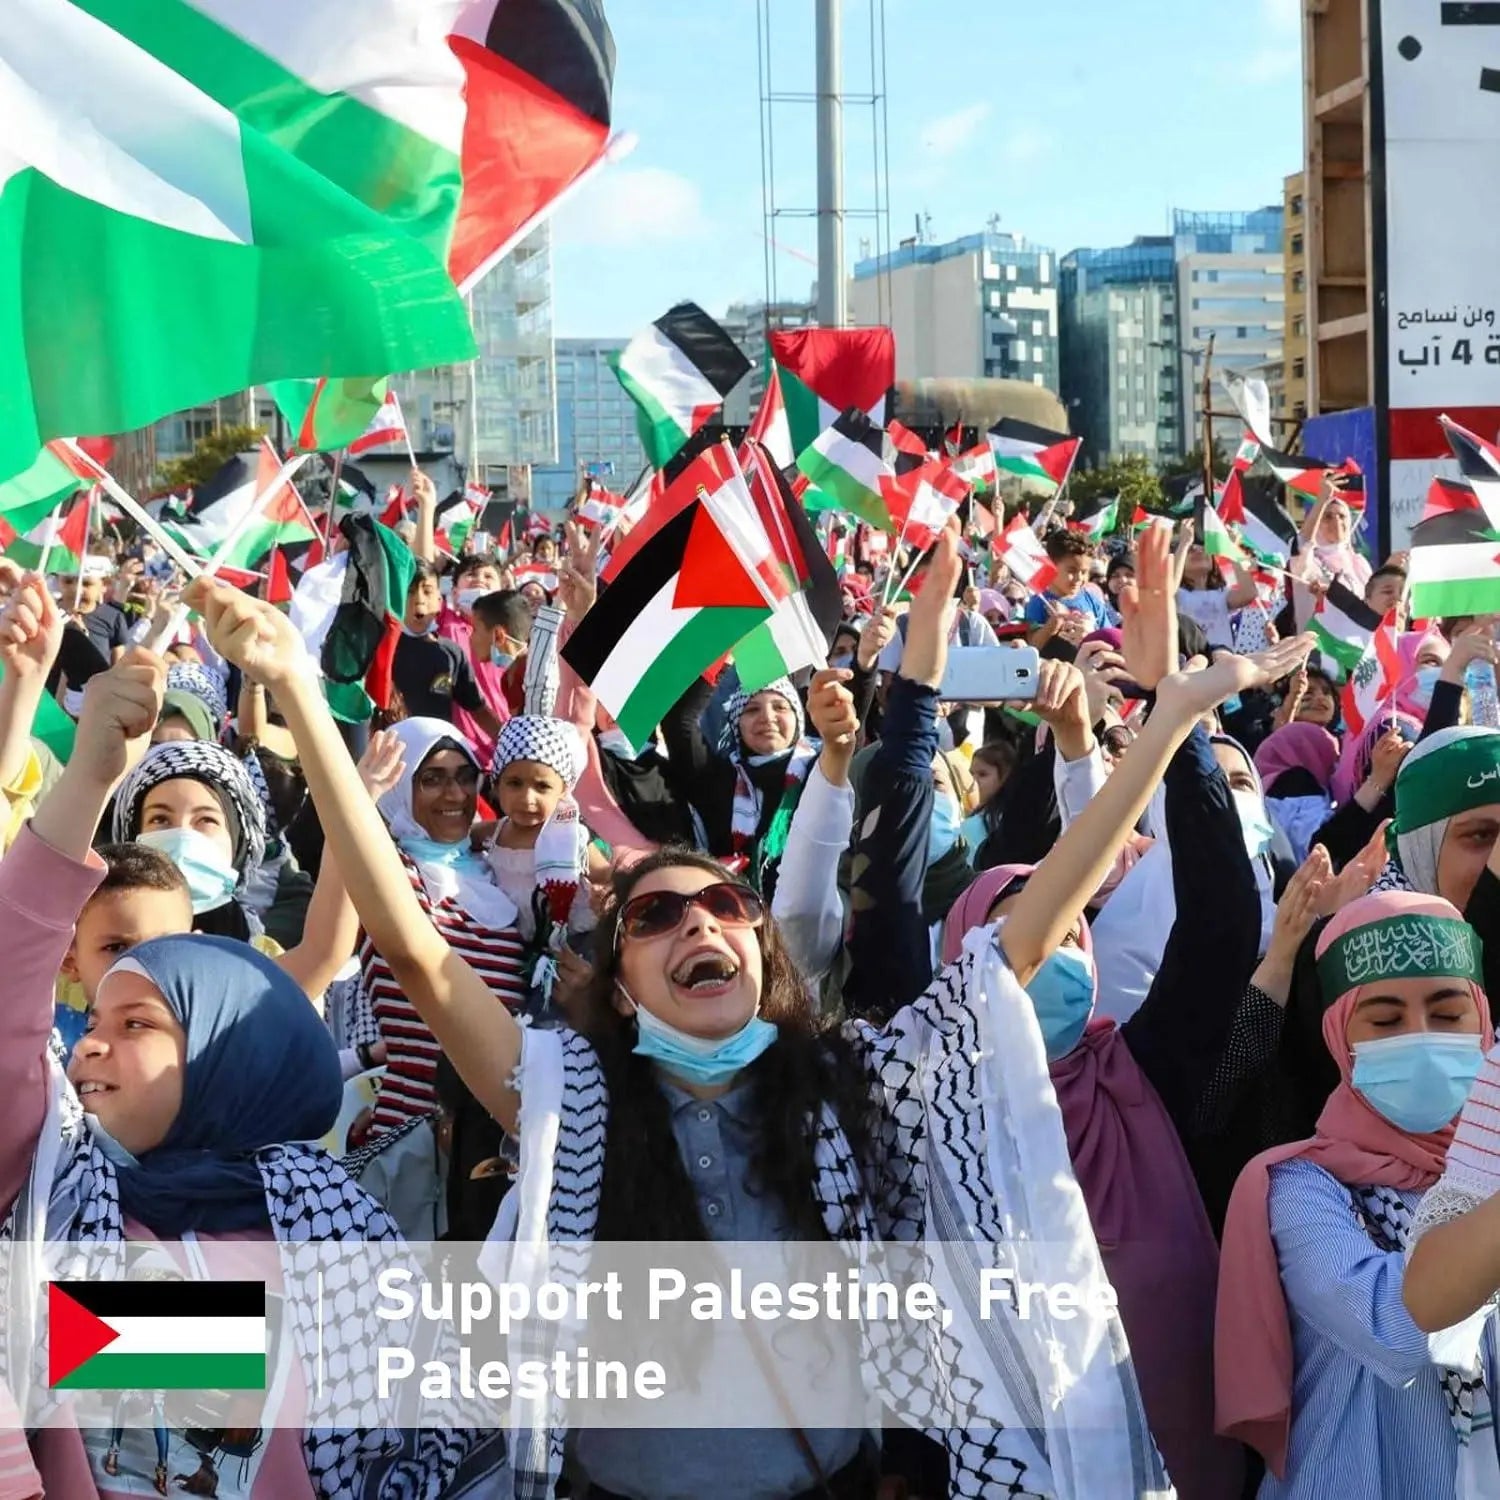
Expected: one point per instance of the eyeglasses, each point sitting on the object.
(466, 779)
(660, 912)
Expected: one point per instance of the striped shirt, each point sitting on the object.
(1369, 1416)
(409, 1088)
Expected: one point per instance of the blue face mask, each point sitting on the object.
(210, 879)
(1062, 991)
(499, 658)
(1255, 822)
(1419, 1080)
(433, 852)
(1427, 680)
(699, 1059)
(942, 832)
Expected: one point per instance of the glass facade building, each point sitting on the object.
(596, 425)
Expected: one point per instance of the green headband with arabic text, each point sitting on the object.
(1454, 779)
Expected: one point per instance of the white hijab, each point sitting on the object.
(463, 877)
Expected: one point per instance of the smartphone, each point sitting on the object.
(990, 674)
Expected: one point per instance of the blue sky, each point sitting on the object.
(1080, 122)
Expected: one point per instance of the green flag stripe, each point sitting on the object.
(662, 435)
(168, 1372)
(1456, 596)
(803, 411)
(377, 160)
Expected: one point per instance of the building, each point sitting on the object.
(750, 325)
(1289, 394)
(499, 411)
(596, 425)
(1119, 349)
(1229, 290)
(984, 305)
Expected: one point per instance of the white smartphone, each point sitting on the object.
(990, 674)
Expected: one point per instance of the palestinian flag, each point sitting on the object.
(678, 373)
(847, 462)
(922, 501)
(387, 429)
(327, 413)
(1374, 677)
(62, 540)
(904, 450)
(1217, 539)
(274, 157)
(156, 1335)
(37, 491)
(1296, 470)
(1035, 453)
(1478, 462)
(800, 631)
(1095, 518)
(826, 371)
(453, 520)
(1447, 495)
(1454, 566)
(360, 646)
(953, 439)
(1344, 625)
(1266, 528)
(220, 506)
(538, 75)
(661, 624)
(771, 429)
(1024, 556)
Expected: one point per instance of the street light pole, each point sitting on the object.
(833, 309)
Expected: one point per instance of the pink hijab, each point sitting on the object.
(1148, 1217)
(1308, 747)
(1253, 1339)
(1354, 763)
(1408, 644)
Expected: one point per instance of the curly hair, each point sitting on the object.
(647, 1194)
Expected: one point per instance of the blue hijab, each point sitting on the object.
(261, 1068)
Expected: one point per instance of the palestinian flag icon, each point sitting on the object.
(156, 1335)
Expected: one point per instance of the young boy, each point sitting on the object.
(433, 675)
(1068, 606)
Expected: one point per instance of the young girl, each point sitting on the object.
(182, 1117)
(692, 999)
(1202, 594)
(1319, 1365)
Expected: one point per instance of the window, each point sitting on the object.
(1299, 410)
(1037, 380)
(1011, 273)
(1299, 369)
(1299, 282)
(1299, 326)
(1039, 328)
(1036, 354)
(1242, 332)
(1122, 357)
(1296, 244)
(1297, 205)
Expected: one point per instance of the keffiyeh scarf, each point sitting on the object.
(206, 686)
(73, 1195)
(745, 817)
(216, 768)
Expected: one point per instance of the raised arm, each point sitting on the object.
(476, 1033)
(424, 544)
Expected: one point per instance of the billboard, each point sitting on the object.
(1438, 121)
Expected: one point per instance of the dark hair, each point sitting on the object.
(647, 1194)
(422, 572)
(507, 610)
(1385, 570)
(1061, 544)
(472, 564)
(999, 755)
(138, 867)
(1120, 563)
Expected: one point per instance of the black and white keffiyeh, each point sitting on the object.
(73, 1195)
(205, 685)
(216, 768)
(549, 742)
(973, 1169)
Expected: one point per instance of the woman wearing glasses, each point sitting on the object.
(703, 1098)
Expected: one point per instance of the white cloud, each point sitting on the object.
(951, 133)
(627, 207)
(1024, 146)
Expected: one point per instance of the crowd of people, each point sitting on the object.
(1163, 965)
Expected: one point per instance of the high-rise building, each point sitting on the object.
(1229, 289)
(596, 425)
(984, 305)
(1289, 394)
(1119, 349)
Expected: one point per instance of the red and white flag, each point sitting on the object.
(921, 502)
(1024, 556)
(388, 430)
(1374, 679)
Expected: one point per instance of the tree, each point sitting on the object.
(1131, 478)
(1190, 466)
(209, 455)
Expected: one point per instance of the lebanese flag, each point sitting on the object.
(922, 501)
(770, 429)
(388, 430)
(1021, 550)
(395, 506)
(538, 80)
(1374, 677)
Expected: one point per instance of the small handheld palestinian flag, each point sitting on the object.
(1031, 452)
(156, 1335)
(1218, 541)
(1454, 566)
(1266, 528)
(1479, 463)
(1344, 625)
(1095, 518)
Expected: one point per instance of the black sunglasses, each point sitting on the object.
(659, 912)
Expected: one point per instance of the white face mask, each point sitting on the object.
(613, 742)
(465, 599)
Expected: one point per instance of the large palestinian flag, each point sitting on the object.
(1031, 452)
(824, 372)
(224, 506)
(327, 414)
(1454, 566)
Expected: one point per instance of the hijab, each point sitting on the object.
(1359, 749)
(450, 872)
(260, 1069)
(204, 685)
(1297, 765)
(219, 770)
(1409, 645)
(1449, 772)
(1355, 1144)
(1265, 871)
(178, 703)
(1147, 1215)
(750, 791)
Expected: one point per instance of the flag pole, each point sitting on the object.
(137, 512)
(88, 531)
(405, 430)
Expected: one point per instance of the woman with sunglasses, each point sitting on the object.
(697, 1022)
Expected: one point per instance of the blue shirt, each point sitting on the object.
(1369, 1417)
(715, 1138)
(1084, 602)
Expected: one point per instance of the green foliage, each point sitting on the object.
(1191, 464)
(209, 455)
(1132, 479)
